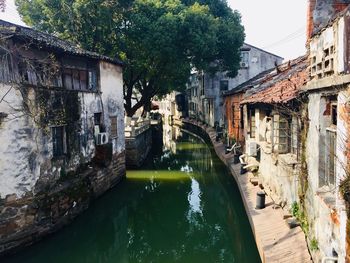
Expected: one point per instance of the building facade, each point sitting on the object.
(205, 92)
(62, 132)
(296, 126)
(326, 148)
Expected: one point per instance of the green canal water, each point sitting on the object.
(182, 206)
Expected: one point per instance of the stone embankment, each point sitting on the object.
(276, 242)
(26, 220)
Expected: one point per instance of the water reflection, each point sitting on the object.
(181, 207)
(194, 200)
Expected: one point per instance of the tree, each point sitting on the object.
(2, 5)
(160, 41)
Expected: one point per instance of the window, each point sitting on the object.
(327, 145)
(281, 134)
(39, 73)
(99, 127)
(114, 127)
(252, 123)
(92, 84)
(294, 136)
(331, 138)
(75, 79)
(223, 85)
(58, 142)
(244, 59)
(334, 113)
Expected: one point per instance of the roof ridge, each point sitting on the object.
(52, 41)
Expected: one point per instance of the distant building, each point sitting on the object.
(205, 92)
(61, 130)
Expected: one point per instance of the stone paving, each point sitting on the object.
(276, 242)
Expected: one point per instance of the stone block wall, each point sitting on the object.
(279, 175)
(28, 219)
(137, 148)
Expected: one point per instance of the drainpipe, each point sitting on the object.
(326, 259)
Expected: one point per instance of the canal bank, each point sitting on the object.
(276, 242)
(181, 206)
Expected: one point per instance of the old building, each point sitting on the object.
(234, 97)
(298, 131)
(205, 91)
(61, 129)
(232, 104)
(326, 146)
(271, 113)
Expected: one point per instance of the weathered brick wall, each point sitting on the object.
(320, 12)
(28, 219)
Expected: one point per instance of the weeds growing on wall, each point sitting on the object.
(300, 215)
(313, 244)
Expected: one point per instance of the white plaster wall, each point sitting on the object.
(259, 61)
(279, 176)
(322, 227)
(333, 35)
(111, 83)
(90, 104)
(17, 145)
(26, 152)
(340, 45)
(312, 150)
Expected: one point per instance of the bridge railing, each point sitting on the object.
(136, 126)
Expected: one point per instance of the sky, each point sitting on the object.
(278, 26)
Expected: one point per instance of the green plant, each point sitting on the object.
(295, 209)
(300, 216)
(313, 244)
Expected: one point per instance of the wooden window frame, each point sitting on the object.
(252, 123)
(114, 126)
(330, 157)
(80, 79)
(281, 133)
(59, 145)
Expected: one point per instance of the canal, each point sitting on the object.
(182, 206)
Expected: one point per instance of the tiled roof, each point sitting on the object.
(50, 41)
(281, 86)
(250, 83)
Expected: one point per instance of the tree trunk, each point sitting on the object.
(147, 93)
(131, 110)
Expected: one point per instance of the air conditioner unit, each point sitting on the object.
(102, 138)
(252, 148)
(244, 65)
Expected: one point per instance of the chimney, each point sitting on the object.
(320, 12)
(310, 18)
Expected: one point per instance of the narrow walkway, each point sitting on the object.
(276, 242)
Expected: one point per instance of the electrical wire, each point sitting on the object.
(298, 33)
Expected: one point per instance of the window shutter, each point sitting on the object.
(114, 127)
(294, 136)
(281, 134)
(331, 138)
